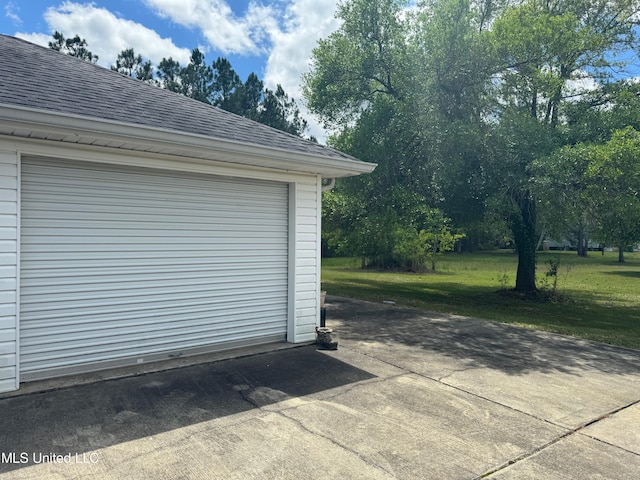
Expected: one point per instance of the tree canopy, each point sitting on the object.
(132, 65)
(456, 100)
(76, 47)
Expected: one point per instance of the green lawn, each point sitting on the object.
(599, 299)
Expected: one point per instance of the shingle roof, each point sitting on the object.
(43, 79)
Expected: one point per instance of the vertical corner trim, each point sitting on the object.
(291, 266)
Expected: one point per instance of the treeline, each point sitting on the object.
(217, 84)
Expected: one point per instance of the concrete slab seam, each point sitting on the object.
(351, 388)
(568, 433)
(336, 443)
(473, 394)
(604, 417)
(574, 431)
(599, 440)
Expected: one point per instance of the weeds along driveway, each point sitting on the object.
(408, 394)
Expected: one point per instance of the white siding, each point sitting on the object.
(8, 270)
(307, 268)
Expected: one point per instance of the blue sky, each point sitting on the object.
(273, 38)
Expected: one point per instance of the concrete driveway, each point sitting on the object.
(408, 394)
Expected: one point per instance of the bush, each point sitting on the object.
(416, 249)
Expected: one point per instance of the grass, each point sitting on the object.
(597, 298)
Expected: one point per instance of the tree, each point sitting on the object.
(196, 79)
(612, 182)
(546, 49)
(482, 89)
(600, 183)
(247, 97)
(132, 65)
(168, 72)
(358, 62)
(75, 47)
(356, 231)
(559, 179)
(451, 90)
(415, 249)
(357, 86)
(559, 186)
(382, 81)
(281, 112)
(225, 82)
(602, 111)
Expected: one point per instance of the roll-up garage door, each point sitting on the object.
(122, 265)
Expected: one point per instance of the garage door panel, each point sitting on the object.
(184, 248)
(142, 342)
(92, 299)
(121, 283)
(93, 355)
(90, 221)
(75, 340)
(134, 294)
(256, 310)
(52, 277)
(120, 263)
(116, 199)
(73, 235)
(106, 210)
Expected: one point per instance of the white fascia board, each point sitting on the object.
(144, 138)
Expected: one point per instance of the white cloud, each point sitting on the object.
(12, 12)
(37, 38)
(223, 29)
(106, 34)
(305, 22)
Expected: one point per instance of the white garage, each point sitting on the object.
(127, 242)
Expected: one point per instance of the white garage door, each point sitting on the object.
(121, 265)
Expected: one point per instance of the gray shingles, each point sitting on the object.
(40, 78)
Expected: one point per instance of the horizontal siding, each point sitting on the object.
(8, 246)
(10, 383)
(8, 270)
(8, 182)
(121, 263)
(307, 260)
(8, 259)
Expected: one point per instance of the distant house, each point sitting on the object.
(138, 224)
(551, 244)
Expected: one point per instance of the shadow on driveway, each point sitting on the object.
(476, 343)
(88, 417)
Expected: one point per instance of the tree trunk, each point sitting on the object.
(433, 255)
(620, 255)
(582, 243)
(523, 226)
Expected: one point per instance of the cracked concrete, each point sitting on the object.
(408, 394)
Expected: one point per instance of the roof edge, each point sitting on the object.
(145, 138)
